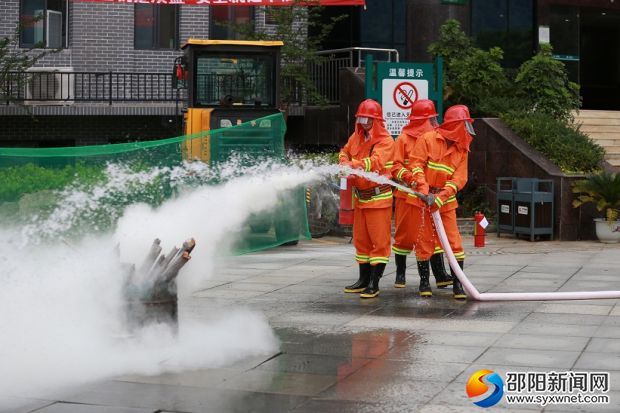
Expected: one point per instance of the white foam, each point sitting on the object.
(61, 321)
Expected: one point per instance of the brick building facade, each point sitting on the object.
(100, 38)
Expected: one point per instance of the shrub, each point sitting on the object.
(562, 143)
(543, 81)
(29, 178)
(603, 190)
(453, 45)
(498, 105)
(536, 102)
(477, 77)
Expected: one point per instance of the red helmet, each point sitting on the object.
(423, 109)
(457, 113)
(369, 109)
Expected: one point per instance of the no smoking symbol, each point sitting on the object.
(405, 94)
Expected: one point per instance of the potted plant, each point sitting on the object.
(603, 190)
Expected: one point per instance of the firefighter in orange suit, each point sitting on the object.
(371, 149)
(423, 119)
(439, 162)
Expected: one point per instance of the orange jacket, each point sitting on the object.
(374, 154)
(403, 148)
(438, 168)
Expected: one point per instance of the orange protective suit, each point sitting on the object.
(406, 233)
(372, 202)
(439, 162)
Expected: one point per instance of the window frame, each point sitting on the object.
(231, 11)
(156, 26)
(65, 26)
(269, 78)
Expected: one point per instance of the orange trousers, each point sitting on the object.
(428, 239)
(408, 231)
(371, 234)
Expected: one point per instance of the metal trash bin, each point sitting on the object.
(525, 206)
(505, 206)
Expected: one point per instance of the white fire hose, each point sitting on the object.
(476, 295)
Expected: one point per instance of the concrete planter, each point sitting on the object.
(609, 234)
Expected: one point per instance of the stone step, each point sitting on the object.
(609, 137)
(599, 128)
(599, 121)
(606, 143)
(597, 114)
(603, 127)
(605, 140)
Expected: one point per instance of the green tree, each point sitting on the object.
(537, 104)
(543, 82)
(302, 29)
(472, 75)
(13, 61)
(478, 77)
(453, 45)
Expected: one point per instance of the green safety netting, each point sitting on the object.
(90, 186)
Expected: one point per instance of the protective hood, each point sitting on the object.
(457, 133)
(418, 127)
(377, 132)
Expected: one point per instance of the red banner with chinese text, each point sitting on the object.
(237, 2)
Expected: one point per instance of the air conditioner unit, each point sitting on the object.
(50, 86)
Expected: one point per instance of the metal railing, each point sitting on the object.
(356, 55)
(324, 74)
(69, 87)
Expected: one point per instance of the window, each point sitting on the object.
(269, 16)
(44, 23)
(383, 25)
(156, 26)
(222, 16)
(236, 80)
(507, 24)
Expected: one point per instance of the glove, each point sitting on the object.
(420, 186)
(430, 200)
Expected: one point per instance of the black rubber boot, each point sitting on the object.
(376, 272)
(442, 278)
(425, 286)
(401, 266)
(457, 288)
(363, 281)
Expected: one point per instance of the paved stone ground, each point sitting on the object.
(396, 353)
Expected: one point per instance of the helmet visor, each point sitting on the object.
(363, 120)
(470, 128)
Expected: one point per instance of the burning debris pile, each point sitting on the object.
(150, 291)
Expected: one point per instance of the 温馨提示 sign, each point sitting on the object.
(398, 85)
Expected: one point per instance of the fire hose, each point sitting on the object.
(478, 296)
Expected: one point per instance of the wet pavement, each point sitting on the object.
(395, 353)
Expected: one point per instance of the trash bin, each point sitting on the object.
(505, 206)
(525, 206)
